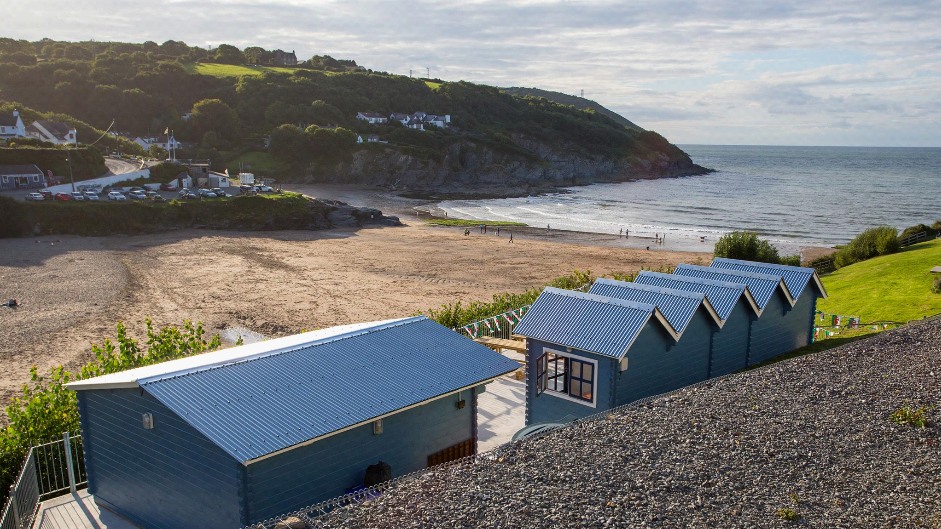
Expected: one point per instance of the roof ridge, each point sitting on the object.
(691, 279)
(601, 299)
(278, 352)
(653, 288)
(731, 272)
(760, 264)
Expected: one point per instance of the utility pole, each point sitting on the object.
(68, 153)
(428, 72)
(409, 72)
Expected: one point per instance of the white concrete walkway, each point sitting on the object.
(77, 511)
(501, 412)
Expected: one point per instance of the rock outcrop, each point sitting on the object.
(469, 169)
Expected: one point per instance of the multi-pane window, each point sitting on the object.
(565, 375)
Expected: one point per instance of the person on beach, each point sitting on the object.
(511, 236)
(548, 229)
(627, 234)
(498, 231)
(620, 233)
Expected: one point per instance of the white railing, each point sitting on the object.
(50, 469)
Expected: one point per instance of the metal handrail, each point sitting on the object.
(50, 469)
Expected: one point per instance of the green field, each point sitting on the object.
(232, 70)
(894, 288)
(433, 85)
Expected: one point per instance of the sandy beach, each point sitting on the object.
(73, 290)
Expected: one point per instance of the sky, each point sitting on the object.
(775, 72)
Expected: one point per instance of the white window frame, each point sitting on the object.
(565, 396)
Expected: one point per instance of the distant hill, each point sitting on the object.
(578, 102)
(328, 120)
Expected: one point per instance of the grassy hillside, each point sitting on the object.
(232, 70)
(578, 102)
(888, 288)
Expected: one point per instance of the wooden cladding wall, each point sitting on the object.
(451, 453)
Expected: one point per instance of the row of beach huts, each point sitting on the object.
(234, 437)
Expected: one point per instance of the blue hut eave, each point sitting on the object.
(372, 419)
(819, 285)
(133, 378)
(712, 312)
(751, 301)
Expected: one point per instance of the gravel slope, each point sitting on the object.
(811, 435)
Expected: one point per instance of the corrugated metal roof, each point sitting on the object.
(761, 286)
(678, 306)
(795, 277)
(597, 324)
(255, 407)
(723, 295)
(132, 377)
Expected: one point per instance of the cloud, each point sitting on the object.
(686, 69)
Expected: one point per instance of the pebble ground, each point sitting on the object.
(807, 442)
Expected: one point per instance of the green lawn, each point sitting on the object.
(232, 70)
(257, 162)
(433, 85)
(888, 288)
(470, 222)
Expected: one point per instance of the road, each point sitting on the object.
(120, 166)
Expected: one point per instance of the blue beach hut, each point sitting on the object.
(690, 313)
(735, 307)
(588, 353)
(778, 329)
(233, 437)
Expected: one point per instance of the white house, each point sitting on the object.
(165, 142)
(11, 126)
(373, 118)
(55, 132)
(418, 120)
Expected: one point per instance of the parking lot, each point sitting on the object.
(127, 193)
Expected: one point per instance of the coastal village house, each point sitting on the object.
(236, 436)
(21, 177)
(54, 132)
(11, 126)
(164, 141)
(415, 121)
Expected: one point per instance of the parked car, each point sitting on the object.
(219, 192)
(116, 195)
(158, 198)
(35, 196)
(151, 194)
(168, 186)
(46, 194)
(205, 193)
(262, 188)
(247, 190)
(137, 195)
(64, 197)
(187, 195)
(91, 195)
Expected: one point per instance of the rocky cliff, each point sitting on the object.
(475, 170)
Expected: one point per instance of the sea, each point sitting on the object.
(794, 197)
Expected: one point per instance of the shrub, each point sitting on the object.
(746, 245)
(936, 288)
(787, 514)
(46, 408)
(822, 264)
(455, 315)
(911, 231)
(907, 415)
(881, 240)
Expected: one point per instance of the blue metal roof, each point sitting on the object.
(761, 286)
(678, 306)
(723, 295)
(256, 407)
(795, 277)
(597, 324)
